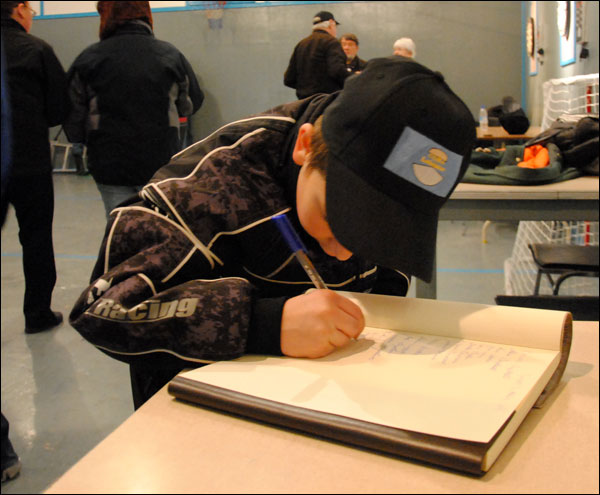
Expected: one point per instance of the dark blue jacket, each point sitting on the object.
(128, 92)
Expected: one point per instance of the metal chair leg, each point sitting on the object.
(536, 290)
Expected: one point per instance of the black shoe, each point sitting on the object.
(12, 470)
(40, 325)
(11, 465)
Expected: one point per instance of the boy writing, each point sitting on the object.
(194, 270)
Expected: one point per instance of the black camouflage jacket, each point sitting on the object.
(195, 271)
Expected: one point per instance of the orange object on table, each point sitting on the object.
(535, 156)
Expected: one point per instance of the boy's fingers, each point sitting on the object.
(349, 325)
(351, 320)
(338, 338)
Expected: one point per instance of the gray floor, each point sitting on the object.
(62, 396)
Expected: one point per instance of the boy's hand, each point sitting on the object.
(315, 324)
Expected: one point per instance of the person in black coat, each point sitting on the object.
(11, 464)
(129, 91)
(318, 63)
(39, 99)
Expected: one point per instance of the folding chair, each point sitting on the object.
(564, 260)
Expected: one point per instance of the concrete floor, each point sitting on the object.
(62, 396)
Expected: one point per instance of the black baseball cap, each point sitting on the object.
(323, 16)
(399, 141)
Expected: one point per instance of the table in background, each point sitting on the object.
(575, 199)
(168, 446)
(499, 136)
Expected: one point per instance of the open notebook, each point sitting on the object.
(441, 382)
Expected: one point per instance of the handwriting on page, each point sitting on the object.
(503, 361)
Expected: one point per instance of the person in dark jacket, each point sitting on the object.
(129, 91)
(196, 271)
(39, 99)
(318, 63)
(354, 63)
(11, 464)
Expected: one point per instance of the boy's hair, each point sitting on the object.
(319, 153)
(7, 8)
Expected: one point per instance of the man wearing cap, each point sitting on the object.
(197, 271)
(354, 64)
(318, 63)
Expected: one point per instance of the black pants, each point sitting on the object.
(146, 381)
(33, 200)
(9, 456)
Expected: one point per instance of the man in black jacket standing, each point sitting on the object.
(38, 92)
(318, 63)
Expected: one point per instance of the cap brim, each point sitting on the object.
(378, 228)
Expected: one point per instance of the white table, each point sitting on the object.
(168, 446)
(575, 199)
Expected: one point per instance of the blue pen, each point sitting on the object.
(296, 245)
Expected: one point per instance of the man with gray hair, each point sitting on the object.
(318, 63)
(405, 47)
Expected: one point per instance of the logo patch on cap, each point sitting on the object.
(423, 162)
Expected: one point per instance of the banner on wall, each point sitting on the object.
(565, 19)
(532, 39)
(74, 9)
(54, 9)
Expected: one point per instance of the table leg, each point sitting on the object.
(426, 290)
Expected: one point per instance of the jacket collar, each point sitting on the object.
(135, 26)
(12, 24)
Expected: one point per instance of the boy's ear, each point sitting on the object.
(302, 148)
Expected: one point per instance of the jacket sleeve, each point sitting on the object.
(290, 77)
(264, 335)
(391, 282)
(57, 97)
(336, 62)
(154, 293)
(75, 123)
(190, 97)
